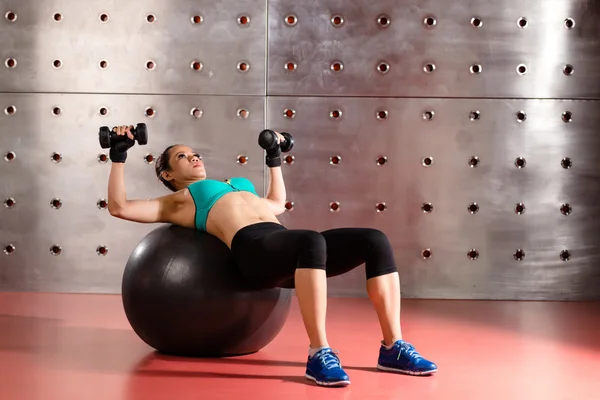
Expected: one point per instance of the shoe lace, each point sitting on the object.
(329, 359)
(410, 351)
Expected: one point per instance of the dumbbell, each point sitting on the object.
(267, 139)
(107, 137)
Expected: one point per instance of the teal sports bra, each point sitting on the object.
(205, 194)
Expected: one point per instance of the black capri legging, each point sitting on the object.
(268, 254)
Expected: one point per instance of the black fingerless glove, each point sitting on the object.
(267, 139)
(273, 157)
(118, 151)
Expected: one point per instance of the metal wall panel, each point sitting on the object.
(554, 34)
(82, 34)
(32, 180)
(312, 36)
(390, 196)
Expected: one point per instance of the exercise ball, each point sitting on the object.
(183, 295)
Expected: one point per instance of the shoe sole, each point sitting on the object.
(320, 383)
(414, 373)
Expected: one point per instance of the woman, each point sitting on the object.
(270, 255)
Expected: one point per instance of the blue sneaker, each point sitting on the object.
(403, 358)
(326, 370)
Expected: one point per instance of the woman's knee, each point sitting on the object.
(311, 250)
(377, 239)
(380, 260)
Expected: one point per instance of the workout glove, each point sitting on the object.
(267, 139)
(273, 157)
(118, 151)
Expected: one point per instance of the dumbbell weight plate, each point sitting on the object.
(142, 134)
(104, 137)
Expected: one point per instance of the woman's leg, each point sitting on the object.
(269, 255)
(348, 248)
(384, 292)
(310, 279)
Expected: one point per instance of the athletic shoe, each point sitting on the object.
(325, 369)
(403, 358)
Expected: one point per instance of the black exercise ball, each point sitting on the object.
(183, 295)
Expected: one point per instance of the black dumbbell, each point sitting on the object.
(268, 139)
(108, 138)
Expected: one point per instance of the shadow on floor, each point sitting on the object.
(236, 361)
(58, 346)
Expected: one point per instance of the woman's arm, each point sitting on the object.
(276, 196)
(147, 211)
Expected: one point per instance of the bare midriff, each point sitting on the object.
(235, 211)
(228, 215)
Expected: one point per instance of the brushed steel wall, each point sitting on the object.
(435, 48)
(521, 196)
(54, 185)
(467, 132)
(138, 47)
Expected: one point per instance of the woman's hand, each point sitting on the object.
(124, 130)
(280, 137)
(285, 141)
(118, 151)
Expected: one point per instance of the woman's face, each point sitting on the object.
(186, 166)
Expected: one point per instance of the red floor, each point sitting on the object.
(81, 347)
